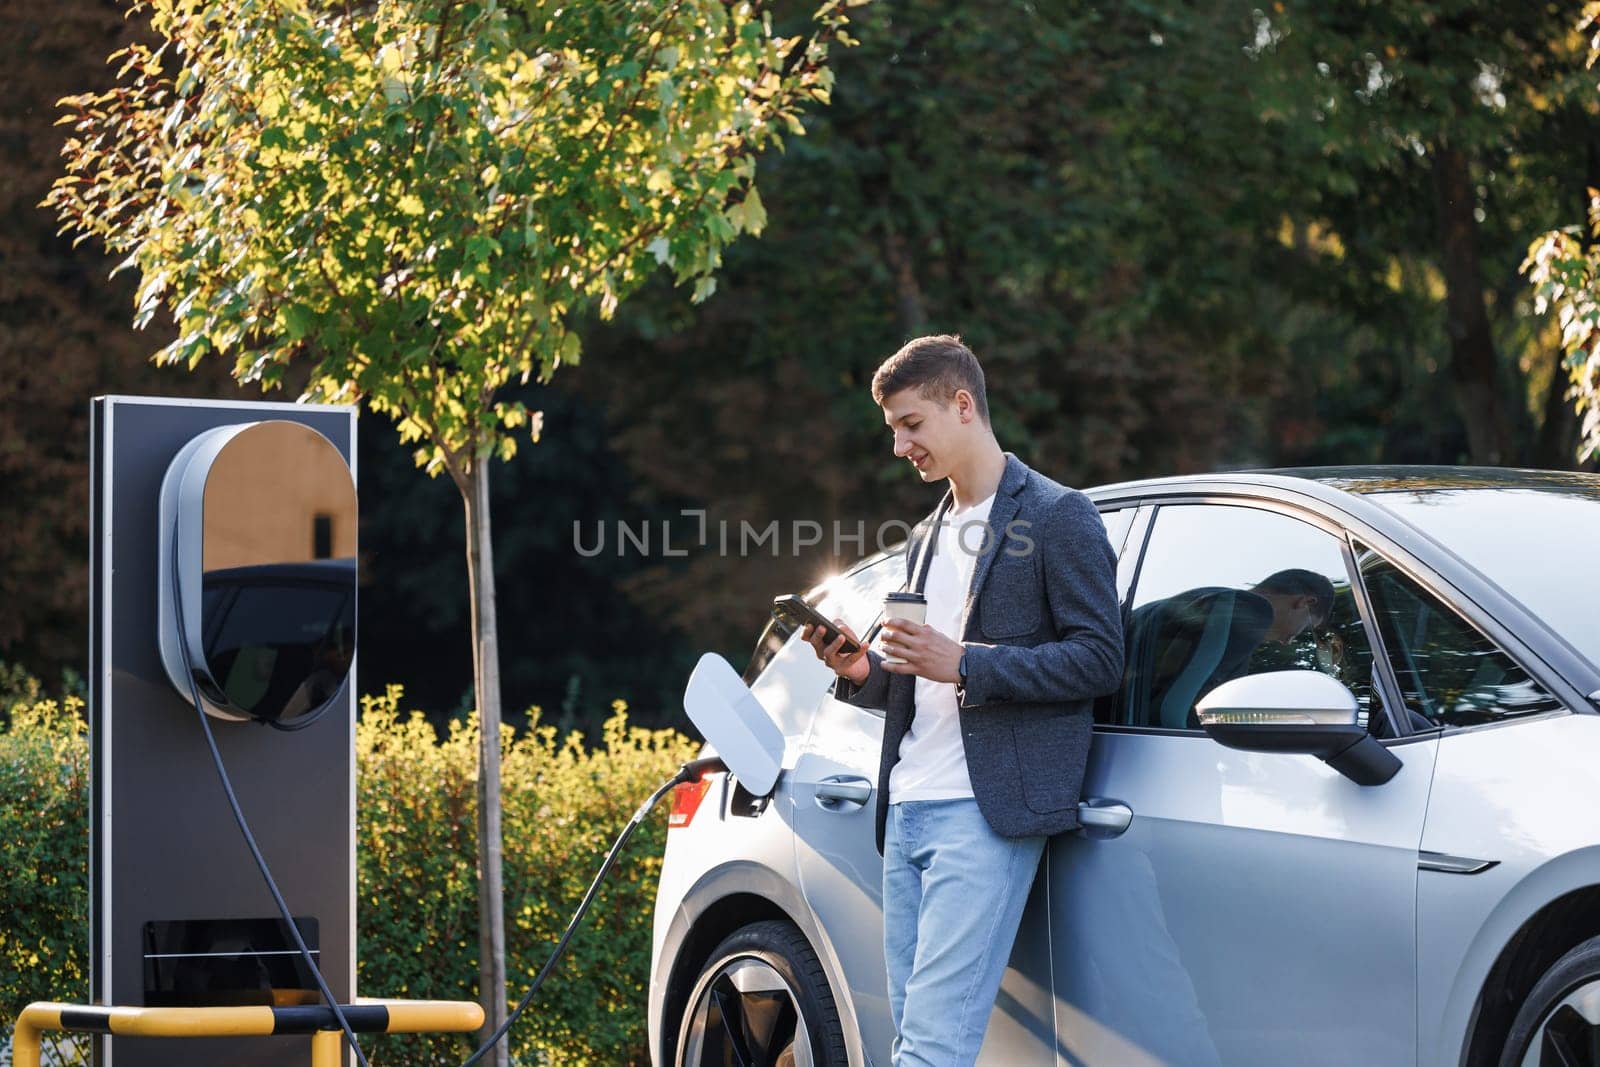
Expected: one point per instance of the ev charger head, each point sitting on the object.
(257, 525)
(735, 723)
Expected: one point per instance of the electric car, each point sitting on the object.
(1237, 892)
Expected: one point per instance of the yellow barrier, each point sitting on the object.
(366, 1016)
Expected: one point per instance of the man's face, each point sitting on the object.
(1291, 615)
(928, 434)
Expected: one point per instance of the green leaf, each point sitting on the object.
(297, 321)
(749, 215)
(480, 248)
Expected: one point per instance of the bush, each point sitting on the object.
(416, 876)
(44, 855)
(563, 806)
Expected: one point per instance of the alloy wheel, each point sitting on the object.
(1569, 1034)
(744, 1014)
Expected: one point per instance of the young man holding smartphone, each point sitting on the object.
(988, 705)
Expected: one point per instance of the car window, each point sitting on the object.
(1117, 523)
(769, 644)
(855, 596)
(1449, 673)
(1226, 591)
(1514, 537)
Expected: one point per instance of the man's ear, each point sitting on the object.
(966, 407)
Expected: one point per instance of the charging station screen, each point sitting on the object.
(279, 639)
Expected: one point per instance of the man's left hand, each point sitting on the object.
(927, 652)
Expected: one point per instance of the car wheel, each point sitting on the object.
(1559, 1024)
(762, 1000)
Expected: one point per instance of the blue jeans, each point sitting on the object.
(953, 893)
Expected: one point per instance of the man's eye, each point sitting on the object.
(912, 425)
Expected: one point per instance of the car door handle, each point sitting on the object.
(843, 792)
(1107, 816)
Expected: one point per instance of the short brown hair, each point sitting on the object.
(936, 366)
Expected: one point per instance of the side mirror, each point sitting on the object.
(1302, 712)
(258, 536)
(733, 721)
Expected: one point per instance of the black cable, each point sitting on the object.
(238, 815)
(689, 771)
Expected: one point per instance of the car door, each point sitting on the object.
(841, 873)
(1225, 907)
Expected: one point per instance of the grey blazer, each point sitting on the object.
(1043, 634)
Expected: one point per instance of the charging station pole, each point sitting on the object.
(179, 912)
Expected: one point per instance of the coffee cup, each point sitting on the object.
(906, 606)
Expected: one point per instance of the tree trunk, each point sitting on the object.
(909, 304)
(486, 686)
(1556, 447)
(1474, 367)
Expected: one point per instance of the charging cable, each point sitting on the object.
(238, 816)
(690, 771)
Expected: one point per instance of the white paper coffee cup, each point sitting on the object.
(911, 606)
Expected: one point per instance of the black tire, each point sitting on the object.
(783, 1016)
(1550, 1030)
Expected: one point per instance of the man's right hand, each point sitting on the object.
(854, 665)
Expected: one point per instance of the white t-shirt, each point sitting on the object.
(933, 763)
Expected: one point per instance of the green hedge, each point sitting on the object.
(564, 802)
(44, 856)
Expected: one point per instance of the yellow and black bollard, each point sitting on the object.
(365, 1017)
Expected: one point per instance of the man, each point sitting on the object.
(1185, 645)
(987, 718)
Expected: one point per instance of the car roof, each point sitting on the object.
(338, 571)
(1388, 479)
(1329, 483)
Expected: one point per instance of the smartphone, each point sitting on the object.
(797, 613)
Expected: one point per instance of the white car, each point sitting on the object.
(1372, 840)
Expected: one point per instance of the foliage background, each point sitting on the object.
(44, 849)
(1181, 237)
(566, 798)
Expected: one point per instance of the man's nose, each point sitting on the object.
(902, 446)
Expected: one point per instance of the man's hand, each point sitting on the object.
(854, 666)
(927, 652)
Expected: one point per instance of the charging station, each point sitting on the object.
(254, 506)
(223, 570)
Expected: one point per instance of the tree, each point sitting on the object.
(412, 201)
(64, 336)
(1436, 130)
(1564, 267)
